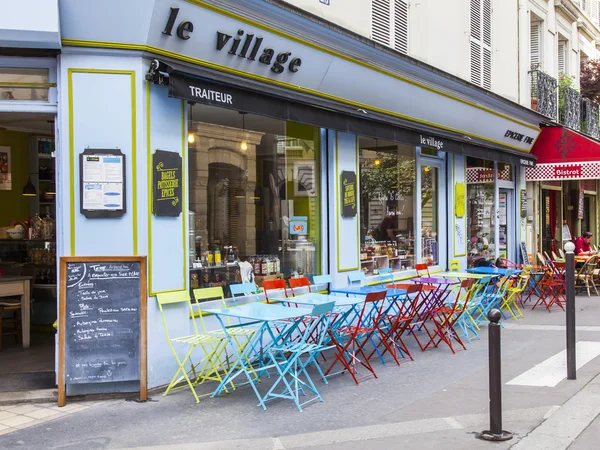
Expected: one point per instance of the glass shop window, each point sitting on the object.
(23, 84)
(387, 203)
(254, 198)
(429, 215)
(480, 212)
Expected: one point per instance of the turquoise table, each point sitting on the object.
(492, 271)
(276, 321)
(318, 299)
(364, 290)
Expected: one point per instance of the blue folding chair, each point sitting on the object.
(385, 276)
(294, 380)
(243, 289)
(357, 277)
(320, 280)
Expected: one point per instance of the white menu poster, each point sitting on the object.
(102, 182)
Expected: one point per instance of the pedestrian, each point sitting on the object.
(582, 245)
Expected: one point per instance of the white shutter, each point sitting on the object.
(481, 43)
(561, 57)
(595, 12)
(380, 26)
(401, 26)
(534, 45)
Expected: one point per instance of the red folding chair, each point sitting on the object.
(445, 317)
(299, 283)
(350, 340)
(274, 285)
(392, 327)
(422, 270)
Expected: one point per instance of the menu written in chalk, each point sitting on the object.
(102, 336)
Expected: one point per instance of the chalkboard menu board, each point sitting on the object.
(102, 320)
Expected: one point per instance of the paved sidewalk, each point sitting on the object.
(438, 401)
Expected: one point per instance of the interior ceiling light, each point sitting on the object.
(244, 144)
(29, 189)
(191, 137)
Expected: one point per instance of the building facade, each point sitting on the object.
(306, 147)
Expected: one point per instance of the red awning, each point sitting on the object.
(564, 154)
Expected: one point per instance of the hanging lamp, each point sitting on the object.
(244, 144)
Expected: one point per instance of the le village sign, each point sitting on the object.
(249, 49)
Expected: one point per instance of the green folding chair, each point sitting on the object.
(208, 368)
(237, 333)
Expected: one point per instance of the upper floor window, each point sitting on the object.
(563, 58)
(24, 84)
(535, 43)
(481, 43)
(389, 24)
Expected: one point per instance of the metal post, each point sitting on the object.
(495, 433)
(570, 291)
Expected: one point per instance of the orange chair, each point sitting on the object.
(274, 285)
(422, 268)
(299, 283)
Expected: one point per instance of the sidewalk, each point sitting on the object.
(438, 401)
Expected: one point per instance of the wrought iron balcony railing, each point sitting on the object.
(590, 117)
(544, 94)
(569, 107)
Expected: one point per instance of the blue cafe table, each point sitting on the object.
(364, 290)
(277, 322)
(492, 270)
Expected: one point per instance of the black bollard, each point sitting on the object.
(570, 292)
(495, 433)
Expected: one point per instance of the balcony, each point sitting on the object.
(544, 94)
(589, 118)
(569, 107)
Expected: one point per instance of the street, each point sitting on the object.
(440, 399)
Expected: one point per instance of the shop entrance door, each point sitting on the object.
(550, 220)
(506, 224)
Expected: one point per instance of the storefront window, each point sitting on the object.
(480, 211)
(387, 217)
(254, 197)
(429, 215)
(505, 172)
(25, 84)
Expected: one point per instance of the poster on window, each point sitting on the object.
(5, 169)
(581, 207)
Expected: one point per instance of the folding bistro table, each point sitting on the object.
(277, 323)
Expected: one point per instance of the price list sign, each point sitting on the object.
(102, 321)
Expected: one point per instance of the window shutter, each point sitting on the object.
(380, 27)
(535, 45)
(401, 26)
(595, 12)
(561, 57)
(481, 43)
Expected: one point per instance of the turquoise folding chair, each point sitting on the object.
(359, 277)
(244, 290)
(385, 276)
(467, 323)
(294, 380)
(320, 280)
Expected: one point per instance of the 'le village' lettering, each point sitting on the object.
(267, 57)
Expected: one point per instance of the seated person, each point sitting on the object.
(582, 245)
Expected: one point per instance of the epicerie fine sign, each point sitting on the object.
(241, 44)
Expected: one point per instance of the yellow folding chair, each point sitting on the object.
(211, 345)
(514, 292)
(454, 265)
(236, 332)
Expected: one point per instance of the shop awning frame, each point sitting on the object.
(257, 98)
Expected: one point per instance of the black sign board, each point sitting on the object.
(102, 321)
(348, 193)
(166, 183)
(524, 254)
(523, 203)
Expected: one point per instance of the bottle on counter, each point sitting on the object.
(210, 259)
(277, 264)
(230, 255)
(217, 257)
(255, 261)
(264, 268)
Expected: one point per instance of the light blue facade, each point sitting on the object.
(105, 102)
